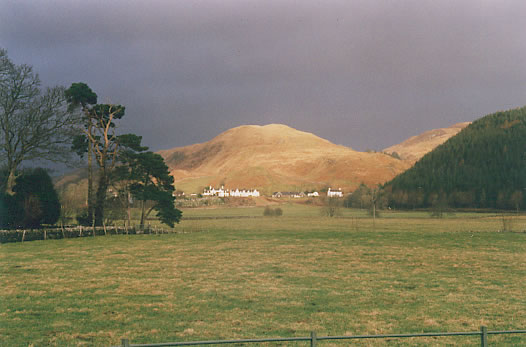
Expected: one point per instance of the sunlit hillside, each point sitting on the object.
(417, 146)
(276, 157)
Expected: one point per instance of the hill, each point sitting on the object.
(482, 166)
(417, 146)
(276, 157)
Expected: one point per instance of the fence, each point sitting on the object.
(314, 338)
(73, 232)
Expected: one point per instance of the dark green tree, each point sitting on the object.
(106, 148)
(37, 198)
(10, 211)
(99, 138)
(148, 180)
(80, 96)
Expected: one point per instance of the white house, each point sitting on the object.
(222, 192)
(335, 193)
(288, 195)
(313, 194)
(244, 193)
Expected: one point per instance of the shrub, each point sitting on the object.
(36, 199)
(10, 211)
(270, 212)
(84, 219)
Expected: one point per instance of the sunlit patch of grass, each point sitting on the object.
(258, 277)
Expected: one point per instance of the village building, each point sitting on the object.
(288, 195)
(222, 192)
(178, 194)
(335, 193)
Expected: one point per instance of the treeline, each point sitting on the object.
(55, 124)
(484, 166)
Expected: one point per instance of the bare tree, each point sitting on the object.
(331, 207)
(34, 124)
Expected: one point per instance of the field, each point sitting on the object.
(249, 276)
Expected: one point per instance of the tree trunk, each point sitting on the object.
(90, 180)
(10, 181)
(129, 208)
(101, 198)
(143, 208)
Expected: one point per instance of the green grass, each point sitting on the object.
(269, 277)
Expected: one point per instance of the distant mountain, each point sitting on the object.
(276, 157)
(482, 166)
(417, 146)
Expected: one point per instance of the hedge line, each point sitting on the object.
(59, 233)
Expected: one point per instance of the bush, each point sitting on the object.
(84, 219)
(35, 201)
(10, 211)
(270, 212)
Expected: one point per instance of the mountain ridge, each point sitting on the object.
(276, 157)
(415, 147)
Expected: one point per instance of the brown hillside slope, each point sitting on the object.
(417, 146)
(276, 157)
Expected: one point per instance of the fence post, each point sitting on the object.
(125, 343)
(313, 339)
(483, 336)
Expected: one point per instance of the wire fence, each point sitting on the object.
(22, 235)
(313, 339)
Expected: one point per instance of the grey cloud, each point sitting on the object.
(366, 74)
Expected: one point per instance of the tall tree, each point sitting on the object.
(79, 95)
(99, 140)
(105, 144)
(122, 178)
(34, 124)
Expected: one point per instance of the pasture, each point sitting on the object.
(249, 276)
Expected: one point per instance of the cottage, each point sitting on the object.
(244, 193)
(288, 195)
(222, 192)
(335, 193)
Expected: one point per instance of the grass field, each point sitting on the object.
(267, 277)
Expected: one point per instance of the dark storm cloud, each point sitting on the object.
(366, 74)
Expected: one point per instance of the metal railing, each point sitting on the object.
(314, 338)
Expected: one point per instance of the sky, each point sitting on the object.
(364, 74)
